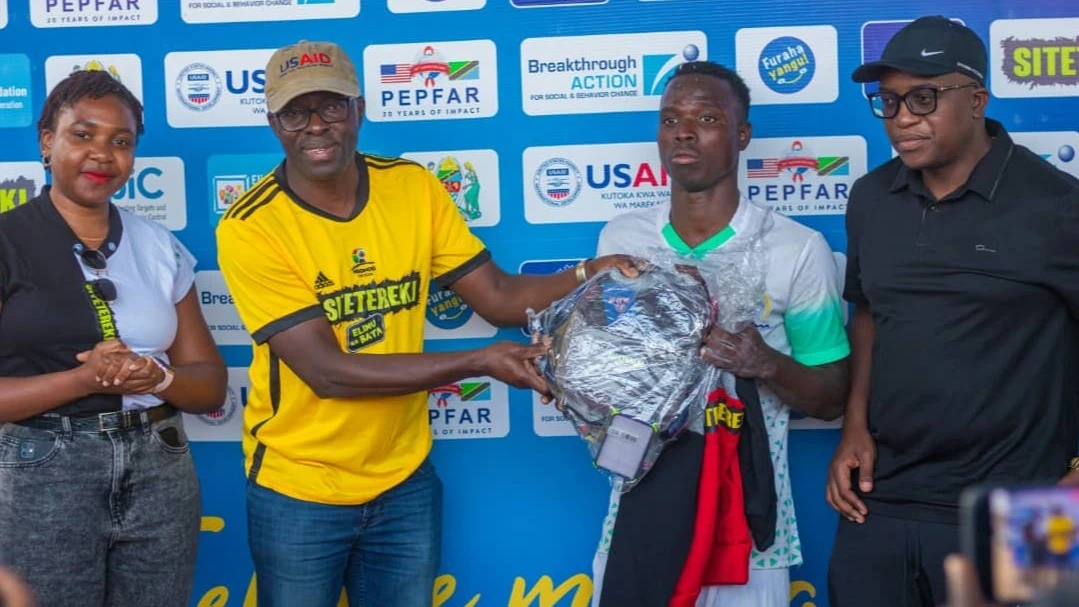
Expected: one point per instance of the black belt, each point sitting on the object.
(102, 422)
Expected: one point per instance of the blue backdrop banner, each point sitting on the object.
(490, 95)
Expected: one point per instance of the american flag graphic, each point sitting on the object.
(395, 73)
(762, 168)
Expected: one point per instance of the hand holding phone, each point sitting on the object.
(1023, 541)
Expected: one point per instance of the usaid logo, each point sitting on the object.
(581, 183)
(610, 73)
(216, 88)
(231, 175)
(20, 182)
(432, 6)
(1034, 57)
(473, 408)
(156, 191)
(470, 178)
(89, 13)
(126, 69)
(431, 81)
(789, 64)
(802, 175)
(211, 11)
(225, 424)
(1058, 148)
(219, 309)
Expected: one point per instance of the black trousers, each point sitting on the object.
(890, 562)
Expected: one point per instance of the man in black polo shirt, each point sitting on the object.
(964, 271)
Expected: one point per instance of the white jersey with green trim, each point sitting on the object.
(802, 318)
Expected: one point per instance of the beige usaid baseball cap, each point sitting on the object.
(308, 67)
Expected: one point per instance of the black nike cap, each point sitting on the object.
(930, 46)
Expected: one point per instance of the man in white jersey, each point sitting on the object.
(798, 350)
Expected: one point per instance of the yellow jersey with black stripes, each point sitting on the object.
(286, 262)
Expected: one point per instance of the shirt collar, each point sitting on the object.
(116, 224)
(983, 180)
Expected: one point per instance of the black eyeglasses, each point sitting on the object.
(103, 288)
(920, 101)
(297, 119)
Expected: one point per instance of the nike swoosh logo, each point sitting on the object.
(926, 53)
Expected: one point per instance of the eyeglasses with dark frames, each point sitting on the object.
(297, 119)
(920, 101)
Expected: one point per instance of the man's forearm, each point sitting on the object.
(516, 293)
(355, 375)
(819, 391)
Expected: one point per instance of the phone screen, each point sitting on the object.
(1035, 540)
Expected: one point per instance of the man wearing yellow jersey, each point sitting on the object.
(329, 259)
(1060, 537)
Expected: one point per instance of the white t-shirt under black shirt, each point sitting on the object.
(47, 314)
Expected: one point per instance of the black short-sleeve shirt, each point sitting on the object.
(975, 302)
(47, 314)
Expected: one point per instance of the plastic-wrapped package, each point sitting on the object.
(624, 364)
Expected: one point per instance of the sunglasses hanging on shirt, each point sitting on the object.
(98, 264)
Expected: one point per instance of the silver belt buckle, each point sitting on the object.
(122, 416)
(101, 417)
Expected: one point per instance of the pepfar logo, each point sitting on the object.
(16, 103)
(1058, 148)
(471, 179)
(231, 175)
(216, 88)
(232, 11)
(156, 191)
(432, 6)
(431, 81)
(473, 408)
(91, 13)
(789, 64)
(225, 424)
(804, 175)
(449, 317)
(609, 73)
(219, 309)
(1034, 57)
(20, 182)
(580, 183)
(126, 69)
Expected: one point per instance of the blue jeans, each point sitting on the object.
(384, 553)
(93, 518)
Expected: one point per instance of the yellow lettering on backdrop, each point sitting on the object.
(213, 524)
(801, 586)
(548, 595)
(218, 596)
(544, 594)
(445, 586)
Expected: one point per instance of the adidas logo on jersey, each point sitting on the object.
(321, 282)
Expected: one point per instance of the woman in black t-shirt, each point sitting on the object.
(102, 343)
